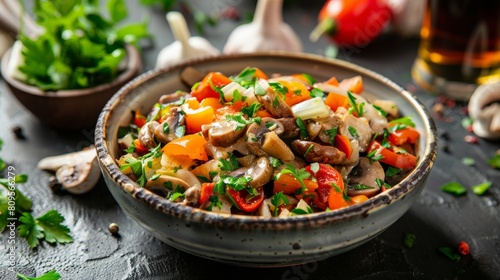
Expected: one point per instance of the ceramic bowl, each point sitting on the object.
(253, 241)
(70, 109)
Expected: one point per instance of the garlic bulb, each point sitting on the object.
(266, 32)
(186, 47)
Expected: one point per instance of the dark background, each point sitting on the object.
(437, 219)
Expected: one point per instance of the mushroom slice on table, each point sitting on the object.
(484, 109)
(363, 178)
(78, 172)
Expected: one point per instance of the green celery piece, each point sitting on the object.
(454, 188)
(480, 189)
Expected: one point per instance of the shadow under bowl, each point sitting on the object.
(250, 240)
(70, 109)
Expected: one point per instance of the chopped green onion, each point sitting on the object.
(454, 188)
(313, 108)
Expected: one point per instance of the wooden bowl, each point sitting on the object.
(70, 109)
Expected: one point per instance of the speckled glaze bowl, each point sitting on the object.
(252, 241)
(71, 109)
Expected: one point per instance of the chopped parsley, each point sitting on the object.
(353, 131)
(299, 174)
(229, 164)
(251, 110)
(316, 92)
(308, 149)
(381, 184)
(480, 189)
(380, 110)
(401, 123)
(391, 171)
(359, 187)
(494, 161)
(259, 90)
(50, 275)
(279, 88)
(302, 128)
(354, 107)
(277, 200)
(374, 156)
(409, 240)
(450, 253)
(331, 133)
(275, 162)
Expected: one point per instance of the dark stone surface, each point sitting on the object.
(437, 219)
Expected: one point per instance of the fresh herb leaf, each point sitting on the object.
(309, 78)
(279, 88)
(214, 201)
(450, 253)
(302, 128)
(251, 110)
(316, 92)
(277, 200)
(353, 131)
(331, 133)
(374, 156)
(50, 275)
(180, 131)
(259, 90)
(494, 161)
(275, 162)
(381, 184)
(357, 108)
(454, 188)
(48, 226)
(380, 110)
(480, 189)
(299, 174)
(403, 121)
(361, 187)
(308, 150)
(391, 171)
(409, 240)
(229, 164)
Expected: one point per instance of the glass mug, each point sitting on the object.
(459, 47)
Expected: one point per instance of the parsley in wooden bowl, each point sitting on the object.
(65, 75)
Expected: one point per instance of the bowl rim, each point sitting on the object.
(192, 214)
(133, 65)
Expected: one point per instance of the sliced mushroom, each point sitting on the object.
(332, 122)
(314, 152)
(388, 106)
(166, 131)
(171, 97)
(273, 102)
(291, 129)
(357, 128)
(165, 184)
(276, 148)
(147, 134)
(78, 172)
(363, 178)
(256, 133)
(224, 133)
(260, 172)
(484, 109)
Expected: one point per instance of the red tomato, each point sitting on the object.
(403, 161)
(240, 198)
(352, 22)
(330, 187)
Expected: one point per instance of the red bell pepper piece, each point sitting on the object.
(243, 200)
(403, 161)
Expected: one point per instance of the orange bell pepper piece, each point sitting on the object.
(336, 100)
(192, 145)
(205, 88)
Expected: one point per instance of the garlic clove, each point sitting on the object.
(267, 32)
(185, 47)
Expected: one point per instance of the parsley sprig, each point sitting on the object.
(354, 107)
(80, 48)
(299, 174)
(50, 275)
(48, 227)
